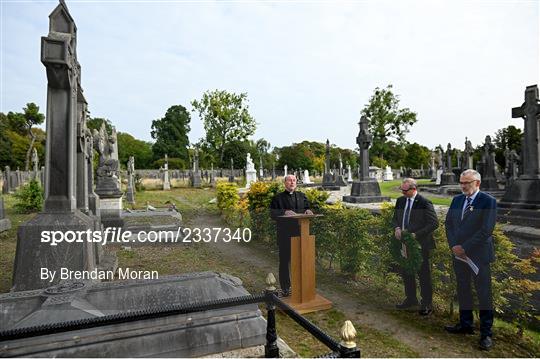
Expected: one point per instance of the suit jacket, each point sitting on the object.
(422, 219)
(297, 202)
(474, 232)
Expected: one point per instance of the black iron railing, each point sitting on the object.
(269, 297)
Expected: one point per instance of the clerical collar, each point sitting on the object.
(289, 192)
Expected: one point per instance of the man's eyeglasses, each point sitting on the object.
(466, 182)
(406, 190)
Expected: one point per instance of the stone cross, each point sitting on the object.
(327, 159)
(364, 141)
(467, 154)
(488, 157)
(449, 158)
(530, 112)
(340, 165)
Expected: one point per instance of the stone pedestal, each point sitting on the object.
(448, 178)
(367, 191)
(178, 335)
(520, 204)
(251, 177)
(111, 211)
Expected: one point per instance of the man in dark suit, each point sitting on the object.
(415, 214)
(469, 227)
(288, 203)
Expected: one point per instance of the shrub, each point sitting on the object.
(227, 195)
(29, 198)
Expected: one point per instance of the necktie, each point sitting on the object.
(407, 214)
(467, 209)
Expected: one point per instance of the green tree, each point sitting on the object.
(416, 156)
(386, 119)
(32, 117)
(95, 124)
(171, 134)
(226, 119)
(130, 146)
(509, 137)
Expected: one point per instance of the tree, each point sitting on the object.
(171, 134)
(226, 119)
(386, 119)
(417, 155)
(130, 146)
(95, 124)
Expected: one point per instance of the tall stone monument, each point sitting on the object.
(59, 56)
(365, 189)
(6, 182)
(511, 170)
(251, 174)
(489, 177)
(196, 175)
(108, 187)
(130, 191)
(468, 155)
(35, 164)
(231, 177)
(521, 201)
(448, 177)
(165, 174)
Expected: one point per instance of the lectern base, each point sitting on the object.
(318, 303)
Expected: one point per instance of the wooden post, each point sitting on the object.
(304, 298)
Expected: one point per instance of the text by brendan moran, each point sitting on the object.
(96, 274)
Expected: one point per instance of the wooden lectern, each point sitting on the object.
(304, 298)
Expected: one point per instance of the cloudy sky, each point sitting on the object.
(308, 67)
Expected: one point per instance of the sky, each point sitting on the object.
(308, 67)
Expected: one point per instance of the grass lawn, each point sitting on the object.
(391, 189)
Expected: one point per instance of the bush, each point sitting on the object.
(29, 198)
(317, 198)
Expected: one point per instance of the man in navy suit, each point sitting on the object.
(416, 215)
(469, 227)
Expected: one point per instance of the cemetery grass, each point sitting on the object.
(391, 189)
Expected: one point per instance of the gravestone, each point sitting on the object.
(448, 177)
(5, 223)
(165, 174)
(60, 212)
(251, 174)
(366, 189)
(35, 164)
(307, 180)
(273, 171)
(329, 179)
(388, 175)
(212, 175)
(521, 201)
(107, 187)
(349, 174)
(512, 166)
(467, 162)
(231, 177)
(5, 184)
(17, 180)
(489, 178)
(82, 155)
(285, 171)
(195, 178)
(261, 170)
(179, 335)
(130, 191)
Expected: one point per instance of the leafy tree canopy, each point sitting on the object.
(171, 134)
(226, 120)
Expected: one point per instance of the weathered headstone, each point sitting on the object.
(231, 177)
(512, 165)
(35, 164)
(448, 177)
(130, 191)
(366, 189)
(195, 177)
(5, 184)
(468, 155)
(349, 174)
(261, 170)
(107, 187)
(60, 213)
(285, 171)
(489, 178)
(251, 174)
(388, 175)
(5, 223)
(165, 174)
(521, 201)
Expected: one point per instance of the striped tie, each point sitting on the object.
(467, 209)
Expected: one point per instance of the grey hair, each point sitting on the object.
(289, 175)
(410, 181)
(473, 173)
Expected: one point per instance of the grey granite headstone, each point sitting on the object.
(179, 335)
(365, 189)
(35, 164)
(5, 223)
(195, 179)
(468, 155)
(448, 177)
(58, 54)
(130, 192)
(6, 183)
(489, 178)
(521, 201)
(165, 175)
(329, 181)
(512, 166)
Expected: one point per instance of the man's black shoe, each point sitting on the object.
(406, 304)
(486, 343)
(458, 329)
(284, 292)
(425, 311)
